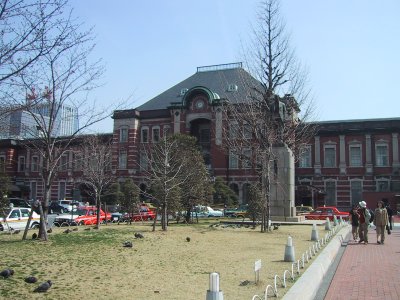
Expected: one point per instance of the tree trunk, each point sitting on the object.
(43, 215)
(155, 219)
(98, 206)
(164, 217)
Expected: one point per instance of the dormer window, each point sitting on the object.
(232, 87)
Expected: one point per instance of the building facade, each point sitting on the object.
(349, 161)
(346, 161)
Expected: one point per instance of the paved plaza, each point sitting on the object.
(368, 271)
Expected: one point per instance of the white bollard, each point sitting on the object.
(314, 233)
(341, 220)
(328, 224)
(214, 293)
(289, 250)
(335, 221)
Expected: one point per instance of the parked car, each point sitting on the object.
(323, 212)
(19, 202)
(207, 211)
(55, 207)
(67, 204)
(144, 214)
(239, 212)
(81, 216)
(17, 217)
(302, 210)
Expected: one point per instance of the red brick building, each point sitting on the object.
(346, 162)
(349, 161)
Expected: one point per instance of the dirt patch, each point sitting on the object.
(163, 265)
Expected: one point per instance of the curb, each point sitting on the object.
(308, 284)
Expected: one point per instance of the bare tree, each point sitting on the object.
(56, 88)
(24, 40)
(173, 166)
(269, 116)
(95, 156)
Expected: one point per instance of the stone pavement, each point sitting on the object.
(368, 271)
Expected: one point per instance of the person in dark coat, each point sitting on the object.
(390, 215)
(354, 220)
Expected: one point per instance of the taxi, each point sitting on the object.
(17, 217)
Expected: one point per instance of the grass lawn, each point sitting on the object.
(163, 265)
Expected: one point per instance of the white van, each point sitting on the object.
(17, 217)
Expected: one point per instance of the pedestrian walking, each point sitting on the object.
(380, 221)
(389, 210)
(364, 216)
(354, 220)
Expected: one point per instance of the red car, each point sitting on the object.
(86, 215)
(144, 214)
(323, 212)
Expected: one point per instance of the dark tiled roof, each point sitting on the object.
(216, 81)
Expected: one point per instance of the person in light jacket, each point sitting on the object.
(363, 222)
(380, 221)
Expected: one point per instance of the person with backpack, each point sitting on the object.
(354, 220)
(364, 220)
(380, 221)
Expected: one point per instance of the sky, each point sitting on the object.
(350, 48)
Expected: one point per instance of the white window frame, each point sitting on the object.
(305, 160)
(382, 161)
(247, 162)
(154, 137)
(381, 182)
(352, 189)
(62, 194)
(63, 162)
(35, 166)
(233, 161)
(326, 147)
(123, 135)
(247, 132)
(327, 182)
(33, 190)
(122, 159)
(21, 163)
(233, 130)
(143, 161)
(352, 163)
(166, 130)
(142, 130)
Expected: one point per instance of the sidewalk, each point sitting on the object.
(368, 271)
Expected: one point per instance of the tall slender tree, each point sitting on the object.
(95, 156)
(269, 115)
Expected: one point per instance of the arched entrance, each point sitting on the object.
(201, 129)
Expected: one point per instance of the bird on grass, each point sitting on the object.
(31, 279)
(16, 231)
(49, 230)
(127, 244)
(34, 236)
(75, 229)
(188, 239)
(43, 287)
(276, 226)
(138, 235)
(6, 273)
(87, 229)
(67, 231)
